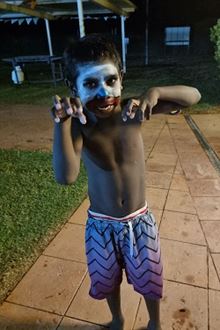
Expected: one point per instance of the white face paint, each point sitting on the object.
(98, 81)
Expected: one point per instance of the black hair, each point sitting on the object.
(91, 48)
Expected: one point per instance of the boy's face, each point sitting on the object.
(99, 88)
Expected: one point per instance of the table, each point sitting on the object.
(55, 63)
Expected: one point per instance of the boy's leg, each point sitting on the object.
(114, 303)
(153, 307)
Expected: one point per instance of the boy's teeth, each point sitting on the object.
(105, 108)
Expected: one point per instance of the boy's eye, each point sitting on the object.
(111, 81)
(90, 84)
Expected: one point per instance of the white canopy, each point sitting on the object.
(31, 10)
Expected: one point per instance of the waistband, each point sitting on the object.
(127, 218)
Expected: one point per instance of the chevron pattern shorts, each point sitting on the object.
(130, 243)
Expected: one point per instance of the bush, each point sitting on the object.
(215, 38)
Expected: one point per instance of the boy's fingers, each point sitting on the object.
(67, 106)
(142, 115)
(142, 112)
(78, 110)
(59, 109)
(82, 119)
(145, 111)
(149, 111)
(130, 109)
(53, 113)
(81, 116)
(57, 102)
(123, 114)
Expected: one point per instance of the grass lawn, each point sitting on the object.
(33, 206)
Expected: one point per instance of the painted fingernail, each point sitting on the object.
(69, 111)
(82, 120)
(58, 106)
(57, 120)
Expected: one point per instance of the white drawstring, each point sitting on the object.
(131, 236)
(124, 220)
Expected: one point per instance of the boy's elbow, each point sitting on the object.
(66, 180)
(193, 97)
(197, 95)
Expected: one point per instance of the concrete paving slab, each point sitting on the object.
(16, 317)
(212, 233)
(204, 187)
(79, 217)
(209, 126)
(182, 227)
(165, 147)
(70, 324)
(185, 145)
(214, 282)
(216, 259)
(179, 183)
(180, 201)
(214, 315)
(185, 263)
(156, 197)
(85, 308)
(197, 166)
(159, 162)
(183, 308)
(165, 143)
(208, 208)
(49, 285)
(158, 180)
(96, 311)
(157, 214)
(69, 244)
(178, 169)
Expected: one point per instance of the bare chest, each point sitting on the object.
(113, 146)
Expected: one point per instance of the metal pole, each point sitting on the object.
(81, 20)
(146, 35)
(48, 37)
(123, 43)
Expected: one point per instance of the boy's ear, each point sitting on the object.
(121, 75)
(71, 86)
(74, 92)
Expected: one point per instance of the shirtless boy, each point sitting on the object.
(121, 232)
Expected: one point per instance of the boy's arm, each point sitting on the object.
(182, 95)
(67, 148)
(67, 143)
(163, 100)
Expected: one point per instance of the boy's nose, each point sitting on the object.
(102, 93)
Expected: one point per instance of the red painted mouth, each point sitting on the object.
(104, 104)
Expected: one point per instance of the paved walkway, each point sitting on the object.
(183, 190)
(209, 125)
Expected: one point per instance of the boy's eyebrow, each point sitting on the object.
(114, 75)
(90, 78)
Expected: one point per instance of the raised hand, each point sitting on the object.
(67, 107)
(141, 108)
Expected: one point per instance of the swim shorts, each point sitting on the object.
(130, 243)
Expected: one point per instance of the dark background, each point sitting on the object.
(200, 15)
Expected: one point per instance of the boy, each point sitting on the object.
(120, 231)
